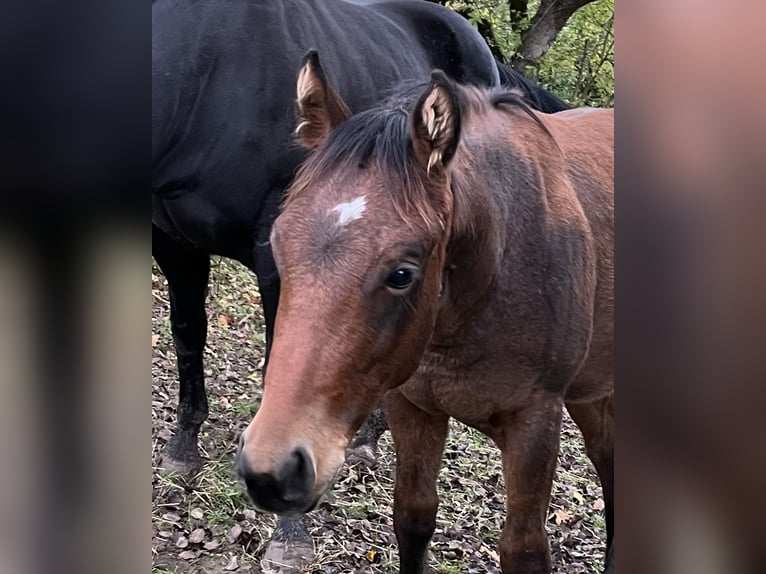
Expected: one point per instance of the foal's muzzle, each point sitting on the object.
(286, 488)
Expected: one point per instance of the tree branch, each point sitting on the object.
(546, 24)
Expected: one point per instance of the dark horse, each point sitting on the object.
(222, 146)
(451, 252)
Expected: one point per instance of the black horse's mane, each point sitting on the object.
(536, 96)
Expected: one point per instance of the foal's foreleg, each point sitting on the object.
(187, 274)
(419, 440)
(529, 441)
(596, 422)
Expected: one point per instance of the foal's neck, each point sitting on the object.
(473, 255)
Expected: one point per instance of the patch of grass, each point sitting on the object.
(451, 567)
(245, 409)
(216, 488)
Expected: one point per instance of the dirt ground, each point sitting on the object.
(206, 525)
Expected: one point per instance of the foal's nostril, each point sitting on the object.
(284, 489)
(296, 476)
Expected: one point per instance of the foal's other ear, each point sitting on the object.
(320, 107)
(435, 123)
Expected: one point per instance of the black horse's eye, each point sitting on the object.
(401, 278)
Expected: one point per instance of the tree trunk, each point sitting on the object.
(543, 29)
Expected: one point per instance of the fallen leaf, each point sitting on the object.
(562, 516)
(155, 340)
(171, 517)
(224, 320)
(187, 555)
(234, 533)
(197, 513)
(197, 536)
(233, 564)
(182, 542)
(599, 504)
(373, 557)
(212, 545)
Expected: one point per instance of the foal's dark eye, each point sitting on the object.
(401, 278)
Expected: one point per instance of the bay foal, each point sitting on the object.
(452, 250)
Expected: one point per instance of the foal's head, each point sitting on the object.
(360, 249)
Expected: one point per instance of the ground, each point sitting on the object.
(207, 526)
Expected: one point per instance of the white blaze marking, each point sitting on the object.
(350, 211)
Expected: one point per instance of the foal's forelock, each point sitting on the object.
(375, 146)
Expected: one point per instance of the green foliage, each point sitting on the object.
(497, 15)
(579, 66)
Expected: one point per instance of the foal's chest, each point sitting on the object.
(469, 389)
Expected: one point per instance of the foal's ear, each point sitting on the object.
(320, 107)
(435, 123)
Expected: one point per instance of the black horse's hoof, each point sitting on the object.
(181, 455)
(186, 468)
(287, 557)
(363, 455)
(181, 459)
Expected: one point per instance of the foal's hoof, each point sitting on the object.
(364, 455)
(287, 557)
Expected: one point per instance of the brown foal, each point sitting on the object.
(451, 252)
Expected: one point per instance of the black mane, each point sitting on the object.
(537, 97)
(380, 133)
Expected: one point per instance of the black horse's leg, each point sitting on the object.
(291, 548)
(364, 448)
(187, 275)
(266, 269)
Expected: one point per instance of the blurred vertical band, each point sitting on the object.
(74, 300)
(691, 281)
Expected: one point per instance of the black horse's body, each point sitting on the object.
(223, 85)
